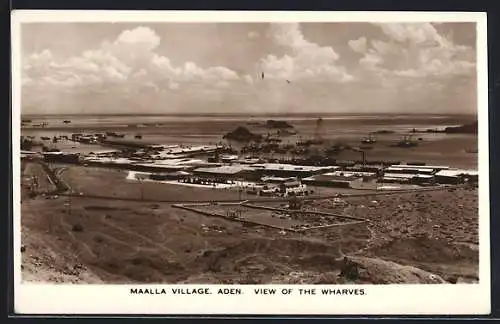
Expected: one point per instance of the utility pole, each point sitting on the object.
(141, 188)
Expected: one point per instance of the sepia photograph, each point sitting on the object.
(326, 154)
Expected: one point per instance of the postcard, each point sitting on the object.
(203, 162)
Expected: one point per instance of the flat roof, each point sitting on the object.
(160, 166)
(410, 166)
(110, 160)
(184, 161)
(392, 168)
(225, 169)
(289, 167)
(60, 153)
(457, 172)
(406, 175)
(324, 177)
(278, 178)
(350, 173)
(190, 149)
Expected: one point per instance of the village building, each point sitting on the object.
(456, 176)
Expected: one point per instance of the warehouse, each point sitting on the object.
(356, 174)
(423, 169)
(290, 170)
(374, 169)
(329, 180)
(104, 153)
(456, 176)
(226, 172)
(404, 170)
(229, 158)
(292, 188)
(407, 178)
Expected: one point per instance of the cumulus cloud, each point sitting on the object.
(358, 45)
(130, 61)
(417, 50)
(304, 59)
(370, 61)
(248, 79)
(253, 35)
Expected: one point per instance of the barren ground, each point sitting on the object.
(84, 240)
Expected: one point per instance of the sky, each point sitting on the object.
(162, 68)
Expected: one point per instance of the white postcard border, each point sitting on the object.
(464, 299)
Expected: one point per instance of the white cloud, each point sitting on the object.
(358, 45)
(130, 60)
(305, 59)
(248, 79)
(142, 38)
(416, 33)
(173, 85)
(370, 61)
(417, 50)
(253, 35)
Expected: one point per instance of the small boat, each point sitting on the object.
(369, 140)
(113, 134)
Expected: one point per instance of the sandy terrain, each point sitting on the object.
(416, 238)
(112, 183)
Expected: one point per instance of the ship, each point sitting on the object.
(369, 140)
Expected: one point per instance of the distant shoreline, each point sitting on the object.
(312, 115)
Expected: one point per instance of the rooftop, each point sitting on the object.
(280, 179)
(60, 153)
(183, 161)
(403, 168)
(457, 172)
(410, 166)
(324, 177)
(109, 160)
(225, 169)
(289, 167)
(350, 173)
(406, 175)
(160, 166)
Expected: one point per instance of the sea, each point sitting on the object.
(203, 129)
